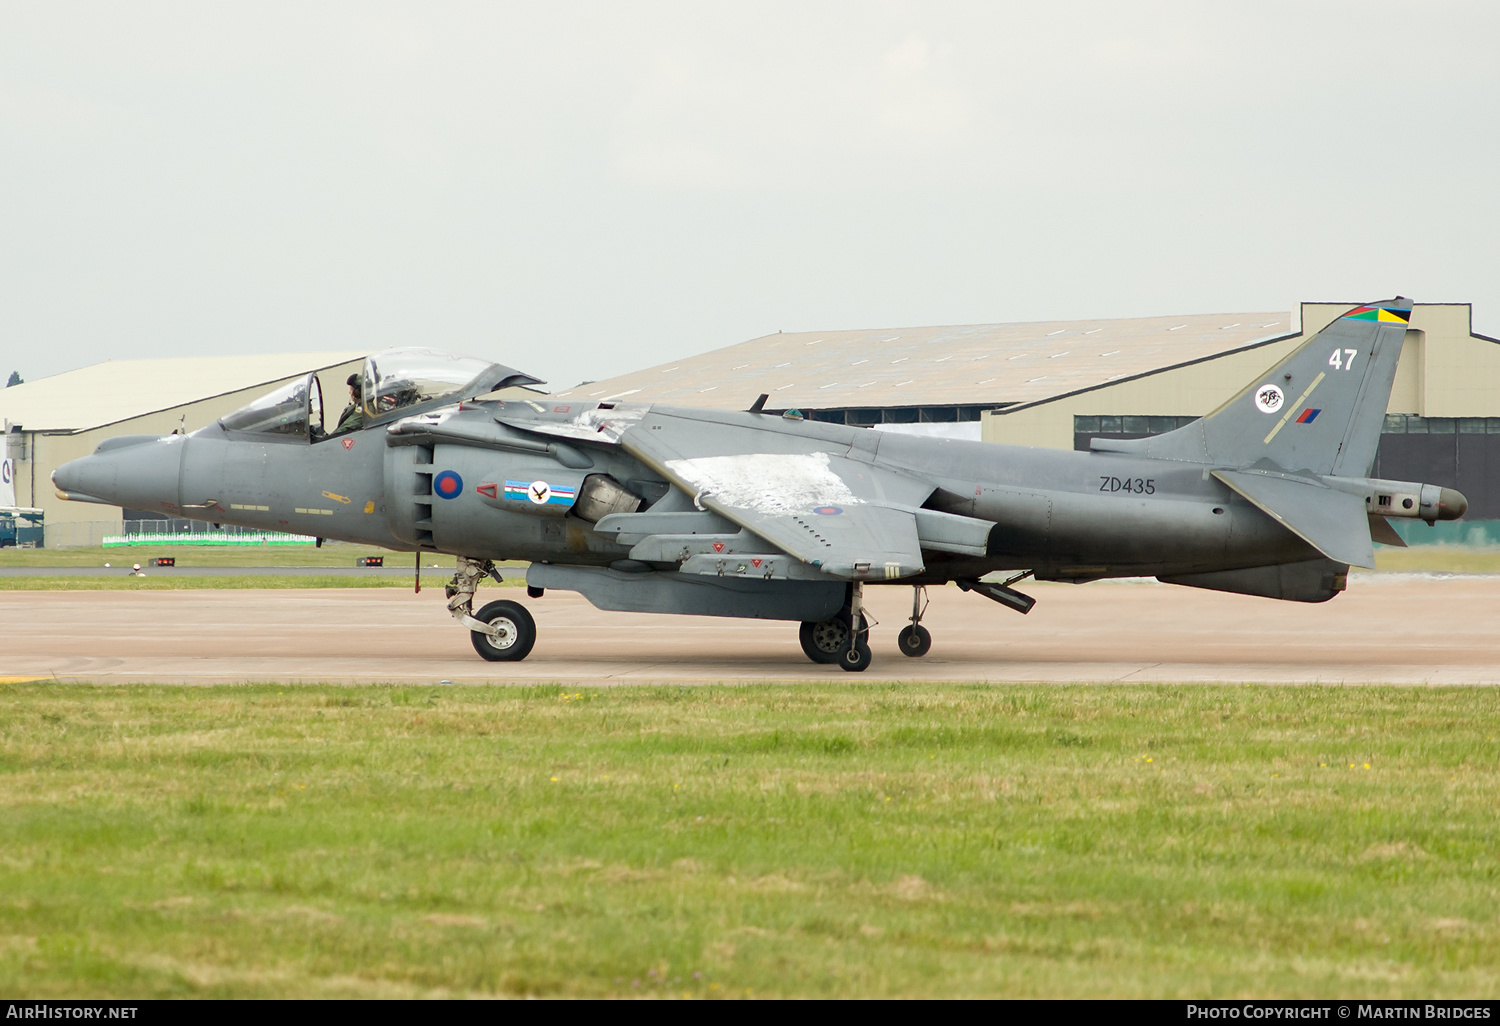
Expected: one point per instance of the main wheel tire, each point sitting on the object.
(822, 641)
(517, 632)
(858, 660)
(914, 640)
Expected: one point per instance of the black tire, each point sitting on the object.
(914, 640)
(822, 641)
(518, 632)
(858, 660)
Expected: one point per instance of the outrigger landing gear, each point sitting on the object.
(845, 639)
(856, 656)
(502, 631)
(914, 639)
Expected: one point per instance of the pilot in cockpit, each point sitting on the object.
(353, 418)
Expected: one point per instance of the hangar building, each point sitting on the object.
(1059, 383)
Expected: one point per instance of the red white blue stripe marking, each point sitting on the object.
(540, 493)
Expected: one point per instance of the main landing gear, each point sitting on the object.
(845, 639)
(840, 641)
(502, 631)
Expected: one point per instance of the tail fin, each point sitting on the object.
(1320, 409)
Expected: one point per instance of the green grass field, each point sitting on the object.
(164, 580)
(817, 840)
(435, 569)
(1451, 559)
(331, 554)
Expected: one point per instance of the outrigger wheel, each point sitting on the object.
(516, 632)
(914, 640)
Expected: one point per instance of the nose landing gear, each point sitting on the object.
(502, 631)
(514, 632)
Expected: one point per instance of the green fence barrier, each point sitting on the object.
(1473, 534)
(244, 540)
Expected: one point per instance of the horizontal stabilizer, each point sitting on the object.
(1332, 522)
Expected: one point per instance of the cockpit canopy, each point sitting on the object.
(393, 384)
(288, 411)
(398, 378)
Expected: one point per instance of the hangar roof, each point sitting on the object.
(980, 364)
(117, 390)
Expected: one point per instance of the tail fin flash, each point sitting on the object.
(1320, 409)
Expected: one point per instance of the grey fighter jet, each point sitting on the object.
(648, 508)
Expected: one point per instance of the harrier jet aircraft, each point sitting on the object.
(650, 508)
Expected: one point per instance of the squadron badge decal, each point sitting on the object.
(1268, 398)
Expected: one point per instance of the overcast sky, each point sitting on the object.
(582, 189)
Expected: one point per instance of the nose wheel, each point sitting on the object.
(515, 632)
(502, 632)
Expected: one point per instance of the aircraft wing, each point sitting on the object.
(812, 498)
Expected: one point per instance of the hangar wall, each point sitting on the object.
(1445, 371)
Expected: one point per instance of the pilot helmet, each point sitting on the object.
(357, 384)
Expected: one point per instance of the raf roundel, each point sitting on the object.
(828, 511)
(1268, 398)
(448, 485)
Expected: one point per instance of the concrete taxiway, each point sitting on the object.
(1388, 628)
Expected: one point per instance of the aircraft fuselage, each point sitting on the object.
(1070, 515)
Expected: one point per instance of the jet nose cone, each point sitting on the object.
(81, 480)
(1452, 504)
(140, 472)
(65, 479)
